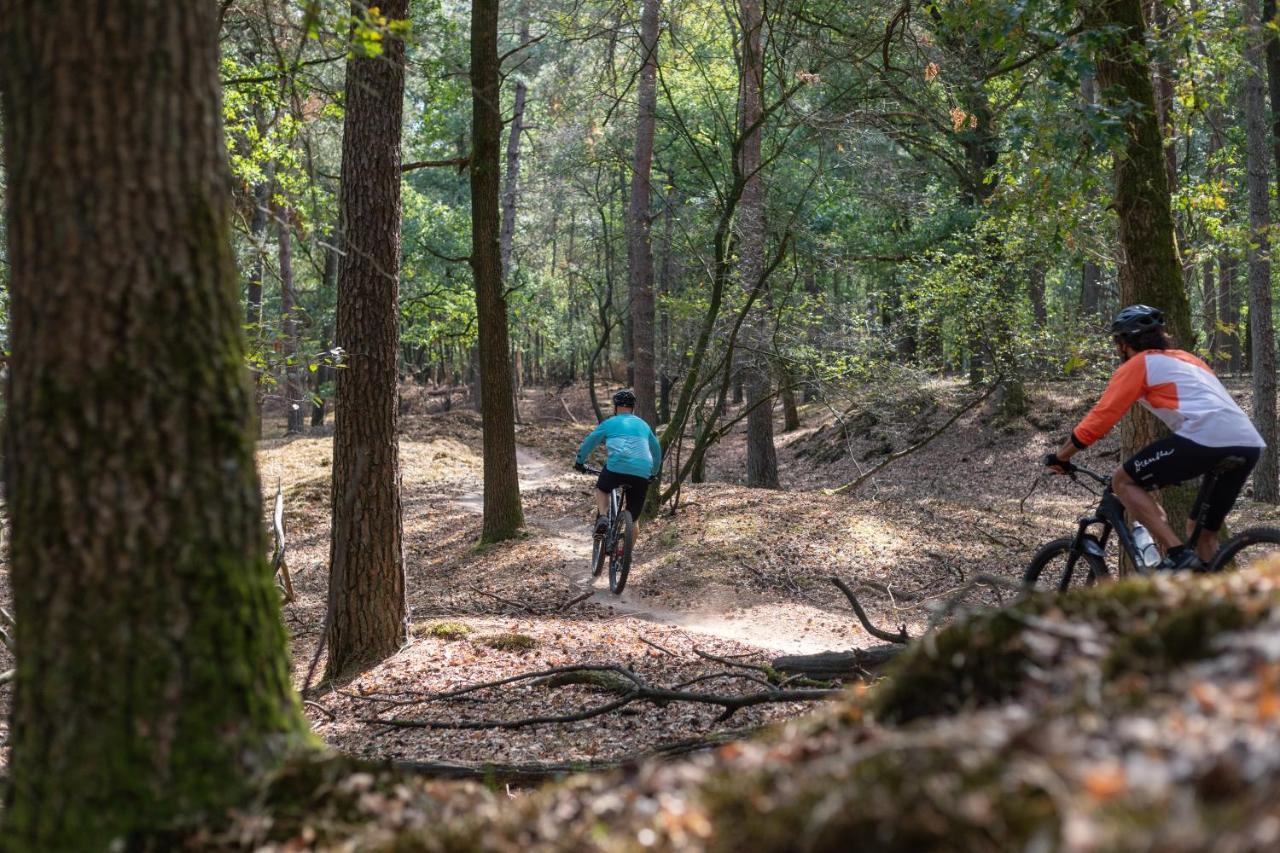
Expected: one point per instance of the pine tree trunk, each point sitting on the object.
(639, 245)
(152, 675)
(294, 396)
(1266, 476)
(762, 457)
(367, 610)
(503, 517)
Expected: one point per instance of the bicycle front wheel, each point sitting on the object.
(620, 559)
(1056, 566)
(1247, 548)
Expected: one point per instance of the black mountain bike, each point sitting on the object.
(1082, 557)
(616, 543)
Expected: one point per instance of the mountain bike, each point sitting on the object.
(616, 543)
(1059, 562)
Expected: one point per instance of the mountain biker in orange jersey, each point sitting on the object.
(634, 459)
(1207, 425)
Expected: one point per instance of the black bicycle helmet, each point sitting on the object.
(625, 398)
(1137, 319)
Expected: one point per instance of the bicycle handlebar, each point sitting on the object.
(1100, 479)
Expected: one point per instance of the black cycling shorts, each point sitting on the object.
(636, 489)
(1176, 459)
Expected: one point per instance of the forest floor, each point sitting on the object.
(735, 572)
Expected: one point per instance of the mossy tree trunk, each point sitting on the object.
(503, 516)
(152, 675)
(1150, 269)
(367, 611)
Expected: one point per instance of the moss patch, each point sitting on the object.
(448, 631)
(507, 642)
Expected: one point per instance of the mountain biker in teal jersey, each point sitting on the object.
(634, 459)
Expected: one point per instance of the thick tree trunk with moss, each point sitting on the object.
(1150, 270)
(503, 516)
(152, 676)
(1266, 477)
(367, 609)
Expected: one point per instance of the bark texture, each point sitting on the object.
(762, 458)
(1150, 270)
(503, 516)
(1266, 476)
(639, 237)
(367, 609)
(152, 676)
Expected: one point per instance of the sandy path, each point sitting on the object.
(786, 627)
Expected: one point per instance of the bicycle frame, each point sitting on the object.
(1110, 514)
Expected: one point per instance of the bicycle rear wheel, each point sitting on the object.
(1052, 567)
(1247, 548)
(620, 558)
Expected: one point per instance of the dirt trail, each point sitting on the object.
(786, 627)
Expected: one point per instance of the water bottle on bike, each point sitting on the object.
(1146, 546)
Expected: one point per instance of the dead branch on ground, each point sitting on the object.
(627, 686)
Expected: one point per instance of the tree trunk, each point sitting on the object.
(639, 245)
(152, 680)
(1035, 289)
(762, 458)
(1150, 270)
(1266, 477)
(1090, 273)
(1228, 308)
(294, 396)
(367, 610)
(1209, 296)
(503, 517)
(510, 188)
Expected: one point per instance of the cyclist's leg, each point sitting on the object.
(1222, 498)
(1172, 459)
(605, 484)
(637, 490)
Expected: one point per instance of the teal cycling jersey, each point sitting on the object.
(632, 447)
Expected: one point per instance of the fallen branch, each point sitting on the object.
(879, 633)
(624, 683)
(825, 666)
(894, 457)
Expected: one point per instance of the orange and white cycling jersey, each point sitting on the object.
(1180, 390)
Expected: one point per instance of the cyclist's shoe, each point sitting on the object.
(1181, 559)
(601, 528)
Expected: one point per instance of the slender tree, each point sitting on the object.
(503, 516)
(367, 612)
(1266, 477)
(639, 220)
(762, 458)
(294, 396)
(152, 676)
